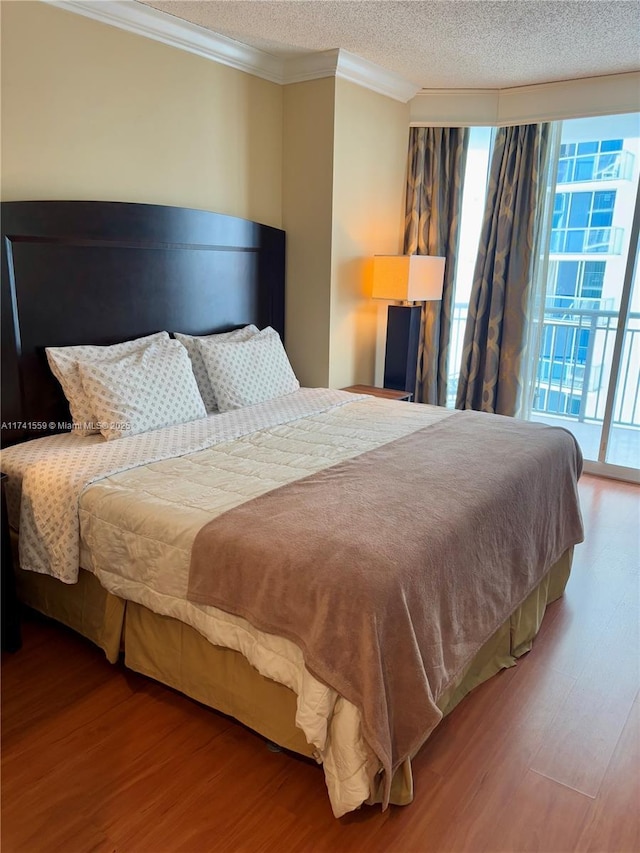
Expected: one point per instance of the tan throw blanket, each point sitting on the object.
(390, 570)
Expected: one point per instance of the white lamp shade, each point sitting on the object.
(408, 278)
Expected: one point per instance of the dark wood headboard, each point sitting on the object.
(89, 272)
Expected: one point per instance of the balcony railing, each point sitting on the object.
(605, 166)
(575, 363)
(596, 241)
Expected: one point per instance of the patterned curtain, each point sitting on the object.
(437, 158)
(495, 334)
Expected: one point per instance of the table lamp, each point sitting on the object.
(406, 279)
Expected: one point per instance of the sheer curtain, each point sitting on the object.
(539, 277)
(435, 172)
(497, 327)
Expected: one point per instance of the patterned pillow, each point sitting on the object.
(64, 361)
(190, 342)
(247, 372)
(146, 390)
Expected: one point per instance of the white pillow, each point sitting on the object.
(64, 361)
(149, 389)
(190, 342)
(246, 372)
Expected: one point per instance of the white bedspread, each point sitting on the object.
(150, 496)
(48, 475)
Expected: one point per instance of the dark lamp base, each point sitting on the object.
(401, 353)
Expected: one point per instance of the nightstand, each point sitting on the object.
(385, 393)
(11, 639)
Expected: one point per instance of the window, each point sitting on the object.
(557, 402)
(570, 282)
(583, 283)
(473, 201)
(571, 367)
(602, 210)
(564, 344)
(597, 160)
(582, 223)
(583, 210)
(592, 279)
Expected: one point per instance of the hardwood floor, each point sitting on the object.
(543, 757)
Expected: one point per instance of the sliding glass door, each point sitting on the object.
(620, 444)
(587, 376)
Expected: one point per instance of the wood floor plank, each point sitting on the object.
(86, 670)
(590, 720)
(77, 835)
(235, 769)
(450, 741)
(540, 816)
(614, 821)
(596, 589)
(529, 709)
(604, 577)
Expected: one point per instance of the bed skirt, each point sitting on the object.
(175, 654)
(86, 607)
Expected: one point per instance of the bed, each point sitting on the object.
(221, 491)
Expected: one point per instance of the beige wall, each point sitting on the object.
(92, 112)
(307, 211)
(370, 155)
(345, 151)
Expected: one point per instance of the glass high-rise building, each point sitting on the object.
(592, 213)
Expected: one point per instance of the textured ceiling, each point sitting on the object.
(469, 44)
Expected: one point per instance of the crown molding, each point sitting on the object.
(372, 76)
(159, 26)
(153, 24)
(310, 66)
(583, 97)
(347, 66)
